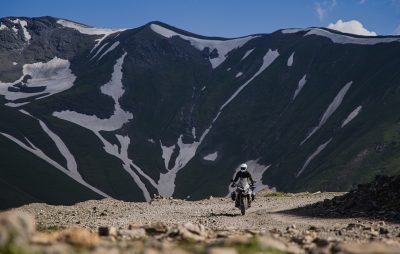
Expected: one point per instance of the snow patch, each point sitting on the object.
(39, 153)
(90, 30)
(290, 60)
(211, 156)
(122, 154)
(71, 162)
(15, 105)
(312, 156)
(14, 63)
(347, 39)
(222, 46)
(114, 89)
(99, 50)
(300, 86)
(55, 76)
(268, 59)
(167, 153)
(23, 24)
(341, 38)
(352, 115)
(111, 48)
(194, 132)
(247, 54)
(239, 74)
(330, 110)
(294, 30)
(2, 26)
(166, 183)
(87, 29)
(229, 69)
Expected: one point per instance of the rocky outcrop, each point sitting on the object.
(379, 198)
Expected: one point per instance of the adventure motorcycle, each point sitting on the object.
(243, 195)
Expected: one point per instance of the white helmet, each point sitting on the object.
(243, 167)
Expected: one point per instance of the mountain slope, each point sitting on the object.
(129, 113)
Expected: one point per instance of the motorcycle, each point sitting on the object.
(243, 195)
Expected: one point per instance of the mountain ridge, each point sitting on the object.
(136, 112)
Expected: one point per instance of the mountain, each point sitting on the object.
(127, 113)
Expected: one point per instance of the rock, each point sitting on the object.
(367, 248)
(314, 228)
(310, 235)
(44, 238)
(175, 251)
(135, 226)
(151, 251)
(222, 250)
(292, 230)
(352, 226)
(157, 228)
(321, 242)
(16, 227)
(56, 248)
(267, 242)
(78, 236)
(107, 231)
(237, 239)
(377, 198)
(102, 250)
(133, 234)
(373, 232)
(192, 232)
(383, 231)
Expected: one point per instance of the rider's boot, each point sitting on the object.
(249, 200)
(237, 201)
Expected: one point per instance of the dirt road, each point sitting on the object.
(267, 213)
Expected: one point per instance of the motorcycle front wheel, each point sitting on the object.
(243, 205)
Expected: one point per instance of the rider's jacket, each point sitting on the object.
(245, 174)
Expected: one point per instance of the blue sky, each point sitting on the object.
(228, 18)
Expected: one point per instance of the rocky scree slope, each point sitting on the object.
(376, 199)
(127, 113)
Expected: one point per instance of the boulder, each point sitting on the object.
(192, 232)
(222, 250)
(366, 248)
(78, 237)
(107, 231)
(157, 228)
(267, 242)
(132, 234)
(16, 227)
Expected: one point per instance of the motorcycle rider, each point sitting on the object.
(243, 173)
